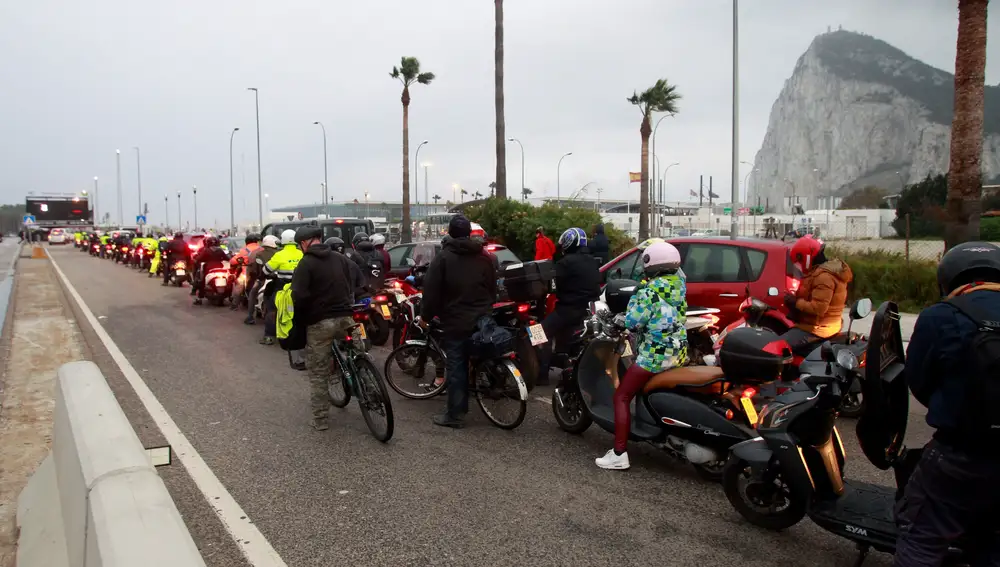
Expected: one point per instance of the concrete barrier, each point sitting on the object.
(96, 500)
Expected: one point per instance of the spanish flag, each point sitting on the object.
(634, 177)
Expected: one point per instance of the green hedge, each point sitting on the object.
(884, 276)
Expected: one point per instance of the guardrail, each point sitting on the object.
(96, 500)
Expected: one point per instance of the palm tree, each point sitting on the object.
(461, 194)
(477, 195)
(493, 189)
(408, 73)
(524, 193)
(436, 198)
(964, 168)
(661, 97)
(501, 141)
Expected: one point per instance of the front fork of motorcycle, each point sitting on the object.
(566, 386)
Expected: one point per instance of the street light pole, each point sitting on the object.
(194, 190)
(735, 166)
(166, 214)
(180, 225)
(366, 206)
(523, 196)
(326, 179)
(118, 167)
(416, 175)
(97, 218)
(232, 206)
(426, 198)
(260, 190)
(652, 182)
(559, 178)
(138, 175)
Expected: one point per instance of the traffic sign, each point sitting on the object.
(140, 219)
(28, 219)
(727, 210)
(744, 211)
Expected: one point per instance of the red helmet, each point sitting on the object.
(804, 250)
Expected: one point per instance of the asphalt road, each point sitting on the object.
(478, 496)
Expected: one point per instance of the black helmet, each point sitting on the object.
(336, 243)
(966, 263)
(359, 237)
(252, 237)
(308, 233)
(178, 235)
(211, 241)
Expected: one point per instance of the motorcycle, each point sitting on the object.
(694, 413)
(757, 314)
(179, 272)
(217, 285)
(795, 467)
(380, 321)
(95, 249)
(123, 257)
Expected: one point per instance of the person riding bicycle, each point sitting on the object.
(459, 288)
(817, 307)
(953, 368)
(209, 257)
(658, 312)
(176, 251)
(255, 265)
(578, 282)
(322, 294)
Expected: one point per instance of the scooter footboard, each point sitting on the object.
(755, 452)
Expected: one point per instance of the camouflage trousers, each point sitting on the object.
(319, 359)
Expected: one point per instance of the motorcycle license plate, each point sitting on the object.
(750, 410)
(400, 298)
(385, 311)
(181, 273)
(537, 335)
(363, 332)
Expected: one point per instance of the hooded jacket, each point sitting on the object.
(599, 246)
(545, 249)
(322, 286)
(460, 286)
(821, 298)
(578, 279)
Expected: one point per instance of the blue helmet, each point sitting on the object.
(572, 239)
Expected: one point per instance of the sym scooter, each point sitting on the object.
(796, 465)
(694, 413)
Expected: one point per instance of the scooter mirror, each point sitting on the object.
(861, 308)
(411, 262)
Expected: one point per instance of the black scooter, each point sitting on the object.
(692, 412)
(796, 466)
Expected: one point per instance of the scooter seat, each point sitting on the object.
(684, 376)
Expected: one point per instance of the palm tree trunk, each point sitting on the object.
(501, 174)
(405, 233)
(965, 168)
(644, 130)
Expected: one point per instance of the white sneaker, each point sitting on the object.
(613, 462)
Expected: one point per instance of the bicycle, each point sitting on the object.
(362, 380)
(491, 379)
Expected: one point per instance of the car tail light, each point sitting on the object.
(124, 248)
(491, 247)
(523, 307)
(360, 316)
(339, 221)
(382, 298)
(749, 392)
(192, 246)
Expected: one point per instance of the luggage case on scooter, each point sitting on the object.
(751, 355)
(528, 281)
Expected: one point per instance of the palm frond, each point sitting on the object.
(425, 78)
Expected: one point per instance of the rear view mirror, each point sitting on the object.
(861, 308)
(410, 262)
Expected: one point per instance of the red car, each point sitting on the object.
(721, 272)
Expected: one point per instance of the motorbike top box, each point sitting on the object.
(617, 294)
(749, 354)
(528, 281)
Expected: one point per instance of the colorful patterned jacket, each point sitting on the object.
(658, 311)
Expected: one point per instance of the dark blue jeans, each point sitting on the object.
(456, 352)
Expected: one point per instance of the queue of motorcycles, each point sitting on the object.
(749, 411)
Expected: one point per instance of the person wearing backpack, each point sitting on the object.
(953, 368)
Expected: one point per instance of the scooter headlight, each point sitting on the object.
(847, 359)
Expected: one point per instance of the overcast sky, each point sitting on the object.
(82, 79)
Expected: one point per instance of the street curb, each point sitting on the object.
(6, 287)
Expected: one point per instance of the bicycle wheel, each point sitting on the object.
(373, 398)
(501, 392)
(412, 371)
(340, 392)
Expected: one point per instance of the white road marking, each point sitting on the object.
(253, 545)
(544, 400)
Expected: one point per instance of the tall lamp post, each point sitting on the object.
(746, 195)
(520, 145)
(366, 205)
(180, 225)
(416, 175)
(326, 179)
(260, 190)
(194, 190)
(266, 206)
(426, 198)
(559, 177)
(232, 206)
(118, 167)
(735, 158)
(166, 214)
(138, 175)
(97, 217)
(653, 182)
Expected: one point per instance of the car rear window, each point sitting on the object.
(757, 259)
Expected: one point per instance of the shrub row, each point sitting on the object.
(884, 276)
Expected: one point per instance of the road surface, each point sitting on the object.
(432, 496)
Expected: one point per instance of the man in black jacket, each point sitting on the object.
(176, 250)
(322, 293)
(599, 247)
(460, 287)
(578, 282)
(210, 257)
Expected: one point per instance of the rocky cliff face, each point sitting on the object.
(855, 112)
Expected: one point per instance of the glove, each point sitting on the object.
(790, 300)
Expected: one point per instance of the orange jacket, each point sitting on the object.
(244, 253)
(821, 298)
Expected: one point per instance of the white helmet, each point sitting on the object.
(660, 258)
(288, 237)
(270, 241)
(378, 240)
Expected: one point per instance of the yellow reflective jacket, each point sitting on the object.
(286, 310)
(284, 262)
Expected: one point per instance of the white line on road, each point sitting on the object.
(254, 546)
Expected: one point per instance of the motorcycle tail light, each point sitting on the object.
(729, 414)
(360, 316)
(523, 307)
(749, 392)
(381, 298)
(396, 285)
